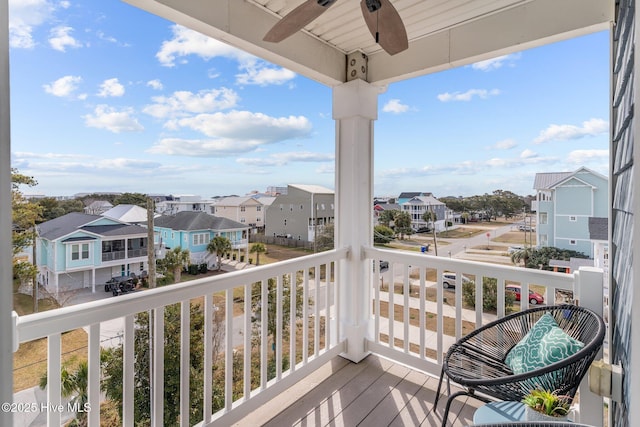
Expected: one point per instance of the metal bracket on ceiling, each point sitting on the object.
(357, 66)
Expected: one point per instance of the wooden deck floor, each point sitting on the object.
(374, 392)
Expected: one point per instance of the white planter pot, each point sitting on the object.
(531, 414)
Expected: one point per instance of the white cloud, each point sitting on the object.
(111, 88)
(115, 121)
(186, 42)
(49, 156)
(281, 159)
(24, 17)
(583, 156)
(183, 102)
(505, 144)
(60, 39)
(64, 86)
(155, 84)
(232, 133)
(395, 106)
(495, 63)
(590, 127)
(528, 154)
(468, 95)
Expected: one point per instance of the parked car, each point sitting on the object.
(423, 230)
(514, 249)
(526, 227)
(534, 297)
(449, 280)
(119, 285)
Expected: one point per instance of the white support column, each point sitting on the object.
(355, 107)
(589, 293)
(6, 254)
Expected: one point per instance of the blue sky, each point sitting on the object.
(106, 97)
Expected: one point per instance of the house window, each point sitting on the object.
(258, 219)
(242, 208)
(79, 251)
(242, 220)
(543, 217)
(200, 239)
(573, 218)
(258, 208)
(572, 242)
(322, 206)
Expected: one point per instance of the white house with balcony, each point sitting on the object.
(417, 206)
(183, 203)
(78, 250)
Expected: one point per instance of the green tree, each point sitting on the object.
(25, 215)
(386, 217)
(220, 246)
(429, 217)
(539, 258)
(258, 248)
(111, 361)
(131, 199)
(402, 222)
(174, 261)
(324, 240)
(382, 234)
(74, 384)
(489, 295)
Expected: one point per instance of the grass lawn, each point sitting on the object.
(516, 237)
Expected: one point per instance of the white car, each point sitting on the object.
(514, 249)
(449, 280)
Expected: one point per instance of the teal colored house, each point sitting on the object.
(79, 250)
(194, 230)
(565, 203)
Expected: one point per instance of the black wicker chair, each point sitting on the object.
(477, 361)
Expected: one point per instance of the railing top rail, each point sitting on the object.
(527, 275)
(39, 325)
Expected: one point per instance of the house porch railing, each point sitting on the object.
(244, 303)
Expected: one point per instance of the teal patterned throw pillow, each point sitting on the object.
(543, 345)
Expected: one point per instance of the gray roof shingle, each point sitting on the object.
(75, 221)
(192, 221)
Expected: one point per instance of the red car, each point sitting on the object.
(534, 297)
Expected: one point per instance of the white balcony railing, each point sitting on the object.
(423, 321)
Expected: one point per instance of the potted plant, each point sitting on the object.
(544, 405)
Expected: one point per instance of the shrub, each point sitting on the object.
(202, 268)
(193, 269)
(489, 295)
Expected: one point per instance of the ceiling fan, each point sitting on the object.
(381, 17)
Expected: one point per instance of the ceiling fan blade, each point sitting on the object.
(387, 24)
(297, 19)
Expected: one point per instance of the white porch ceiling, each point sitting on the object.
(442, 33)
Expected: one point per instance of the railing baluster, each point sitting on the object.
(293, 309)
(54, 398)
(279, 337)
(406, 317)
(479, 298)
(378, 278)
(157, 408)
(316, 310)
(327, 305)
(336, 299)
(458, 309)
(305, 316)
(422, 296)
(209, 309)
(229, 359)
(247, 341)
(128, 372)
(264, 349)
(391, 306)
(185, 374)
(93, 386)
(439, 316)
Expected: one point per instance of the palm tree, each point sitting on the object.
(521, 255)
(258, 248)
(221, 246)
(175, 260)
(74, 383)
